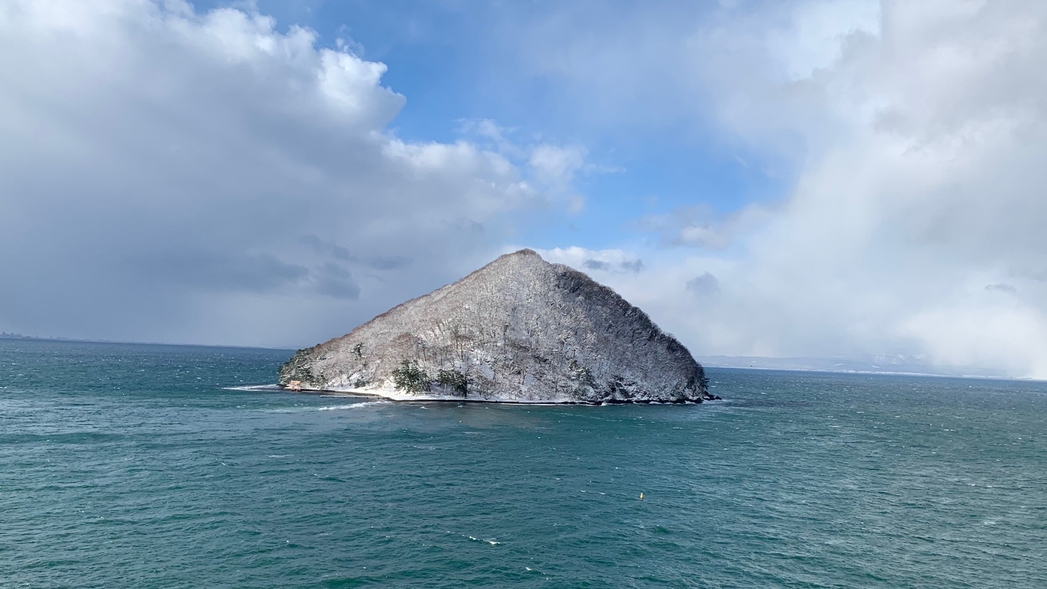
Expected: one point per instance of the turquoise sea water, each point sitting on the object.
(136, 466)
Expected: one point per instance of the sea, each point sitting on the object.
(173, 466)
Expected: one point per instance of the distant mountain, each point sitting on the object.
(878, 364)
(519, 329)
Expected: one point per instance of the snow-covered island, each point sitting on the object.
(518, 330)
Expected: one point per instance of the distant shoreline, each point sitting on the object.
(879, 373)
(874, 364)
(69, 340)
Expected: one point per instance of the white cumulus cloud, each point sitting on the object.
(167, 174)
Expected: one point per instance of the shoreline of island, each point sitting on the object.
(401, 397)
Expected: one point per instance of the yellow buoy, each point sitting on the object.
(641, 496)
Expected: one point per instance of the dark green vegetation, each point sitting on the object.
(299, 368)
(409, 378)
(455, 381)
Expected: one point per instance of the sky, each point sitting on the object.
(811, 178)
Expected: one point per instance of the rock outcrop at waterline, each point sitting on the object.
(519, 330)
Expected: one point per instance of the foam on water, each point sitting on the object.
(361, 405)
(491, 542)
(308, 408)
(254, 388)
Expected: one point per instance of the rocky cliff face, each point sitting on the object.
(519, 329)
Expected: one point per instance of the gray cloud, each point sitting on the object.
(633, 266)
(341, 253)
(1002, 287)
(704, 285)
(388, 262)
(336, 281)
(330, 249)
(215, 271)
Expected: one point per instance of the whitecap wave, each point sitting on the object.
(491, 542)
(353, 405)
(255, 387)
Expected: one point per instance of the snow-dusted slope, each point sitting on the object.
(519, 329)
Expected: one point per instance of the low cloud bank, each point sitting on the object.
(918, 135)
